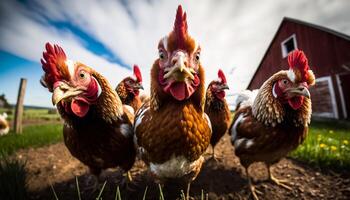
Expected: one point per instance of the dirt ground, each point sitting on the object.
(221, 179)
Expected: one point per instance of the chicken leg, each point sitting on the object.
(277, 181)
(252, 188)
(213, 156)
(188, 191)
(126, 180)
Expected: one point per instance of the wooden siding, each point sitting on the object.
(322, 103)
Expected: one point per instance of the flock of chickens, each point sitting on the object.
(171, 129)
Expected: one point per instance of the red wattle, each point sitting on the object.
(80, 107)
(220, 95)
(178, 90)
(296, 102)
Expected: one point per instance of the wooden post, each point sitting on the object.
(19, 106)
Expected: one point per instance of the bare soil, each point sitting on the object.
(222, 179)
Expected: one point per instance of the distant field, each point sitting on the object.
(33, 114)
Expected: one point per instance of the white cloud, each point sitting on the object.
(233, 34)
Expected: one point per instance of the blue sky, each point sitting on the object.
(111, 36)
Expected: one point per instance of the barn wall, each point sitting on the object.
(326, 53)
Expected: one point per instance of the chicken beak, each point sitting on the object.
(63, 91)
(139, 86)
(179, 70)
(299, 91)
(224, 87)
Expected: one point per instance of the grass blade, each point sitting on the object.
(117, 194)
(144, 194)
(182, 195)
(103, 187)
(77, 183)
(54, 192)
(202, 195)
(161, 192)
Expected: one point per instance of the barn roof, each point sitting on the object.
(287, 19)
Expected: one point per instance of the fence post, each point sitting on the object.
(19, 106)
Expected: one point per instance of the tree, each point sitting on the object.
(3, 102)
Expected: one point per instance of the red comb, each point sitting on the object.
(180, 27)
(52, 58)
(221, 75)
(137, 73)
(298, 62)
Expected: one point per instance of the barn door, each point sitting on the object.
(323, 98)
(344, 85)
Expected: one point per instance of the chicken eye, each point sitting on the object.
(161, 55)
(198, 55)
(285, 81)
(82, 75)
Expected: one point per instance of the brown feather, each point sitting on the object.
(172, 128)
(96, 139)
(127, 97)
(274, 129)
(219, 115)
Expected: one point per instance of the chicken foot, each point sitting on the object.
(278, 181)
(252, 188)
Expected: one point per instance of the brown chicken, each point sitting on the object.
(97, 127)
(217, 109)
(171, 130)
(277, 120)
(128, 89)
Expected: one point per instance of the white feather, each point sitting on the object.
(246, 97)
(273, 91)
(4, 131)
(70, 65)
(247, 143)
(126, 130)
(175, 167)
(139, 116)
(208, 120)
(237, 143)
(165, 42)
(234, 127)
(130, 109)
(291, 75)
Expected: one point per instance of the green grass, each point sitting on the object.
(12, 180)
(32, 136)
(327, 145)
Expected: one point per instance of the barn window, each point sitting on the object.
(288, 45)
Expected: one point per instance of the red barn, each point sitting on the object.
(329, 58)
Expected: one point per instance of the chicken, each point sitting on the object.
(277, 120)
(97, 127)
(4, 125)
(128, 89)
(217, 109)
(171, 130)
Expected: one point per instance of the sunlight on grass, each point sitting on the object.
(326, 145)
(32, 136)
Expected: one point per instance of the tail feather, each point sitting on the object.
(246, 98)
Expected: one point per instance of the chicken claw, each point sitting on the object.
(252, 188)
(278, 181)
